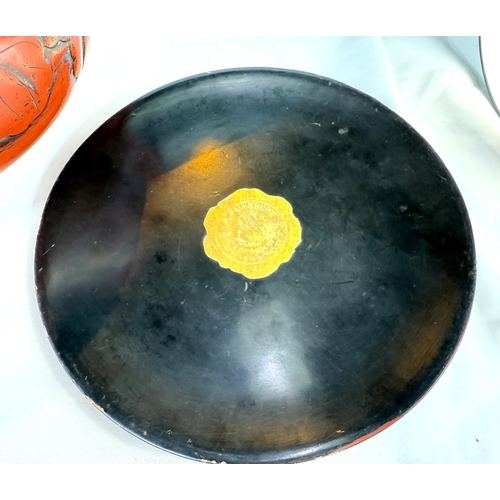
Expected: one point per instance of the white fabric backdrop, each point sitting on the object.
(43, 416)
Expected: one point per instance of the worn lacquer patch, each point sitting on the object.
(251, 233)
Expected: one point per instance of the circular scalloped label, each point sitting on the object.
(251, 233)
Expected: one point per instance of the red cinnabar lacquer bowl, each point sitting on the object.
(37, 75)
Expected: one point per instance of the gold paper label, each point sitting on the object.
(251, 233)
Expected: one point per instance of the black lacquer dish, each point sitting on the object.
(331, 347)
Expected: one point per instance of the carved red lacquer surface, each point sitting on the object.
(37, 75)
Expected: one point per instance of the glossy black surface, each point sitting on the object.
(199, 360)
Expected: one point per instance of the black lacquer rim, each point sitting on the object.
(488, 88)
(313, 451)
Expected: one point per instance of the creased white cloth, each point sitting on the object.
(44, 418)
